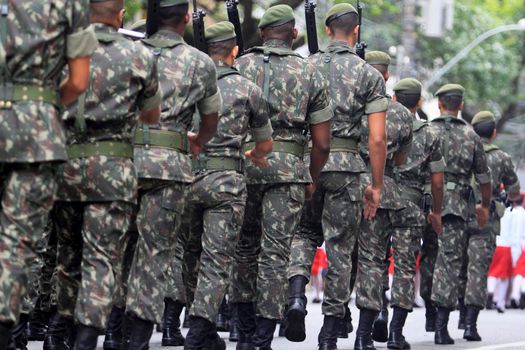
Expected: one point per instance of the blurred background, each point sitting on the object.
(477, 43)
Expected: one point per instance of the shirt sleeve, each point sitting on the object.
(437, 162)
(319, 110)
(407, 132)
(151, 95)
(211, 101)
(260, 125)
(480, 168)
(510, 178)
(376, 100)
(81, 40)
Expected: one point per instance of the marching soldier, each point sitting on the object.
(33, 139)
(296, 93)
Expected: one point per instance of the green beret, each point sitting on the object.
(220, 32)
(483, 117)
(451, 90)
(409, 86)
(168, 3)
(377, 57)
(339, 10)
(139, 26)
(276, 16)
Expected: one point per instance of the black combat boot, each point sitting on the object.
(522, 301)
(86, 337)
(441, 337)
(57, 335)
(295, 328)
(214, 341)
(140, 332)
(380, 330)
(363, 336)
(171, 335)
(37, 325)
(18, 333)
(222, 321)
(263, 336)
(200, 329)
(462, 314)
(328, 335)
(471, 320)
(5, 335)
(113, 338)
(430, 316)
(246, 314)
(234, 322)
(345, 325)
(396, 340)
(490, 302)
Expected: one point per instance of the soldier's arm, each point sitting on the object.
(510, 179)
(482, 174)
(377, 148)
(150, 97)
(260, 129)
(77, 81)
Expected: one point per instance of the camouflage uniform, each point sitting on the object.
(464, 156)
(423, 159)
(175, 287)
(188, 81)
(374, 237)
(482, 243)
(297, 98)
(334, 213)
(98, 189)
(219, 196)
(28, 157)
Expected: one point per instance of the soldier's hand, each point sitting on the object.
(260, 162)
(371, 202)
(482, 214)
(195, 146)
(435, 221)
(310, 189)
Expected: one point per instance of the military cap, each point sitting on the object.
(377, 57)
(220, 32)
(339, 10)
(168, 3)
(409, 86)
(139, 26)
(451, 90)
(483, 117)
(276, 16)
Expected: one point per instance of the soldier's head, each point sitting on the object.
(174, 15)
(278, 23)
(110, 12)
(379, 60)
(484, 124)
(342, 23)
(450, 98)
(222, 42)
(408, 92)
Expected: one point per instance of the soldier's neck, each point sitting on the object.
(453, 113)
(339, 37)
(178, 29)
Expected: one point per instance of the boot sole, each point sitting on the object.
(397, 347)
(173, 342)
(294, 332)
(380, 332)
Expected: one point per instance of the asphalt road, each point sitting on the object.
(499, 331)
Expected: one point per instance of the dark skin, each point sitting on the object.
(483, 209)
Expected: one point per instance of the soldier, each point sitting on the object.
(464, 158)
(482, 243)
(333, 215)
(424, 165)
(219, 188)
(98, 185)
(296, 92)
(188, 82)
(29, 100)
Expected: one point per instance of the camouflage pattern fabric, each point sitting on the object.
(89, 248)
(427, 262)
(129, 245)
(175, 288)
(158, 222)
(465, 157)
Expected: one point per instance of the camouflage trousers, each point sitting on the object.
(374, 249)
(27, 195)
(452, 243)
(175, 287)
(262, 255)
(429, 251)
(128, 247)
(158, 221)
(333, 216)
(476, 262)
(90, 240)
(215, 223)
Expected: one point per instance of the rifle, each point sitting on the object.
(199, 37)
(233, 17)
(152, 22)
(360, 47)
(311, 27)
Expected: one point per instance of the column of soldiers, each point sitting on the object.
(239, 166)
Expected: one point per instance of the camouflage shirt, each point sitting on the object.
(297, 98)
(188, 80)
(355, 89)
(123, 82)
(41, 36)
(501, 169)
(464, 157)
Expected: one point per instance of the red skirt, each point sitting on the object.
(519, 269)
(501, 265)
(320, 262)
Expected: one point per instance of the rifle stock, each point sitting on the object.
(199, 36)
(233, 17)
(311, 27)
(361, 46)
